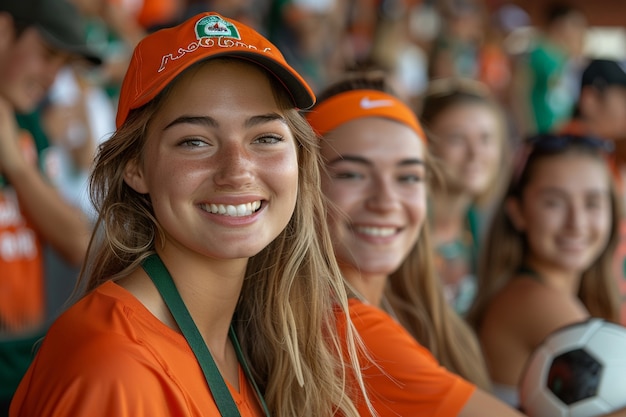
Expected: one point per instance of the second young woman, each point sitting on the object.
(376, 164)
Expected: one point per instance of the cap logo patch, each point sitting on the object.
(215, 26)
(211, 32)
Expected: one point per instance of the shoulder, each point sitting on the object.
(527, 307)
(91, 362)
(102, 315)
(382, 333)
(403, 374)
(535, 298)
(386, 340)
(102, 333)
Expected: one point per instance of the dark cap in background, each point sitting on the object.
(604, 72)
(59, 22)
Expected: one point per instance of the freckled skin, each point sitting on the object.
(220, 157)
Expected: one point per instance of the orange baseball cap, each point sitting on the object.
(164, 54)
(350, 105)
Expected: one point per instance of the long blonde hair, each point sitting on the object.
(414, 291)
(285, 316)
(505, 247)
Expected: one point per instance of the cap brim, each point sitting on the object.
(295, 85)
(301, 94)
(82, 51)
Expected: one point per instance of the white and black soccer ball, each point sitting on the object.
(578, 371)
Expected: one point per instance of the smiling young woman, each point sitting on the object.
(212, 288)
(423, 359)
(547, 260)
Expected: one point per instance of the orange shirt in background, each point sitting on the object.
(402, 377)
(22, 300)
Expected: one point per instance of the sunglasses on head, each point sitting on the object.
(555, 142)
(551, 142)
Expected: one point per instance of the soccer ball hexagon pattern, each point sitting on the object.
(578, 371)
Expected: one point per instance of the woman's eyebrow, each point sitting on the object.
(265, 118)
(365, 161)
(211, 122)
(194, 120)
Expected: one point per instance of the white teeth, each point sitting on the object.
(234, 211)
(376, 231)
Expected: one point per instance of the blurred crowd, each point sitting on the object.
(412, 41)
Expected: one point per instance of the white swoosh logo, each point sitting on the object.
(366, 103)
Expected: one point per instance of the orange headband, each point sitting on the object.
(356, 104)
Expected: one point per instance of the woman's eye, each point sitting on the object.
(347, 175)
(594, 203)
(411, 178)
(193, 142)
(551, 202)
(269, 139)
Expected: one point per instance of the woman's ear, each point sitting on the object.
(133, 176)
(513, 209)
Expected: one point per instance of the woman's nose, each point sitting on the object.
(235, 165)
(382, 196)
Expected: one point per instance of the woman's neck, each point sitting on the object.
(558, 278)
(369, 287)
(210, 290)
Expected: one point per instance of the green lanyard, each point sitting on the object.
(162, 279)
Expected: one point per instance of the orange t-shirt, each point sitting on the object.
(22, 301)
(109, 356)
(404, 378)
